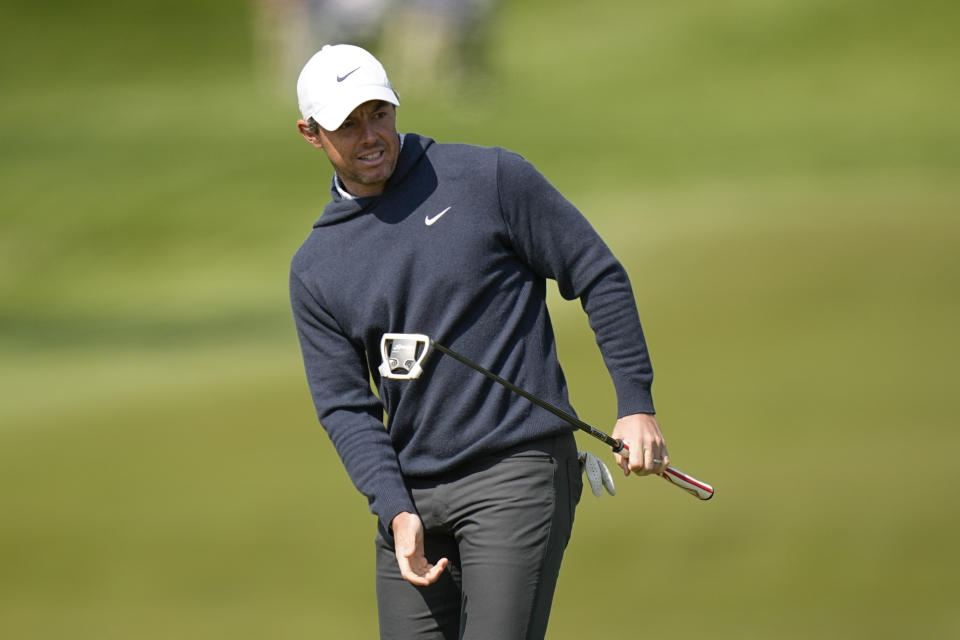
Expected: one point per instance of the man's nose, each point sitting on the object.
(367, 131)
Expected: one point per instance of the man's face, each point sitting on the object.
(364, 149)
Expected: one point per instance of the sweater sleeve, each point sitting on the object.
(347, 408)
(558, 242)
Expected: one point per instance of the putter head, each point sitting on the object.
(402, 355)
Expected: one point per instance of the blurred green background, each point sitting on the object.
(780, 179)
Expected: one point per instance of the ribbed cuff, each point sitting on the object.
(388, 507)
(639, 400)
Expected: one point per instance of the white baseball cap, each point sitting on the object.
(336, 80)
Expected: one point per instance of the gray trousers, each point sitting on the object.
(503, 522)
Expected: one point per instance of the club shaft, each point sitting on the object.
(580, 424)
(691, 485)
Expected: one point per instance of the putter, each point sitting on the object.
(402, 359)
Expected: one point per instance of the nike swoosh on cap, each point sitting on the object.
(344, 77)
(429, 221)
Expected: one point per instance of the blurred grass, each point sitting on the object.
(780, 180)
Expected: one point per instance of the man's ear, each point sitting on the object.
(308, 134)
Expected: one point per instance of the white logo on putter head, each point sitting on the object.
(429, 221)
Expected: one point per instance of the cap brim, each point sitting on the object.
(332, 116)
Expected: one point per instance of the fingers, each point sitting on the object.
(623, 462)
(655, 459)
(647, 449)
(652, 459)
(660, 463)
(408, 547)
(660, 467)
(420, 572)
(646, 463)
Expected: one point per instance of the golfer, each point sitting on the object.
(473, 487)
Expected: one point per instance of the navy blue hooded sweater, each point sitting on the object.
(475, 281)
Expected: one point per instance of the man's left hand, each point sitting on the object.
(648, 451)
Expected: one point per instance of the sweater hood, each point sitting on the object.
(340, 208)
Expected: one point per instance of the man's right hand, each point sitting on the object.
(408, 545)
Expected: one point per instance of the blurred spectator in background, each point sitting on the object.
(437, 42)
(432, 42)
(289, 31)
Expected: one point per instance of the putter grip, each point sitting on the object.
(700, 490)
